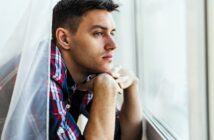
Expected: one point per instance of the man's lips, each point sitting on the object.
(108, 57)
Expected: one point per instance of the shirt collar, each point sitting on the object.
(60, 72)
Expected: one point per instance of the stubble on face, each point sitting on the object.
(93, 45)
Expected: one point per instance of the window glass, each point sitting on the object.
(162, 56)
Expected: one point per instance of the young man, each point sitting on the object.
(83, 80)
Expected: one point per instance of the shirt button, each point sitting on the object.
(68, 106)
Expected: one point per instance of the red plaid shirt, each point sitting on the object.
(66, 102)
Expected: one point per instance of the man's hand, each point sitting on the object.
(100, 79)
(105, 86)
(123, 77)
(101, 122)
(130, 114)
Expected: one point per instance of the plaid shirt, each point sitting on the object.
(66, 102)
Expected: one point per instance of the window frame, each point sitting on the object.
(196, 36)
(210, 59)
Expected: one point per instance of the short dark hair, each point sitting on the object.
(68, 13)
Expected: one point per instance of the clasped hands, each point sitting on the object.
(121, 78)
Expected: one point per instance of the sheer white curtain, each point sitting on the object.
(25, 33)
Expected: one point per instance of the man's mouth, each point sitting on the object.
(108, 57)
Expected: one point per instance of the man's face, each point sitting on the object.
(92, 46)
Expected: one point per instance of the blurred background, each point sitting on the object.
(168, 43)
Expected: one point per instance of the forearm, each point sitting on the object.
(101, 123)
(131, 114)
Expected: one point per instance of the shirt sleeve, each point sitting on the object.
(62, 125)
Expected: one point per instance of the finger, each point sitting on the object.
(116, 68)
(124, 82)
(115, 72)
(120, 90)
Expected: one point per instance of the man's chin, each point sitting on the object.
(105, 70)
(108, 69)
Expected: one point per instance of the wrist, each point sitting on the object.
(133, 87)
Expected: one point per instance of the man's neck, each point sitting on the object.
(77, 74)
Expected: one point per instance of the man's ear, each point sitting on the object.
(63, 37)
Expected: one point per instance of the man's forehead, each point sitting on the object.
(99, 19)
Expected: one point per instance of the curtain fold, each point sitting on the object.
(25, 46)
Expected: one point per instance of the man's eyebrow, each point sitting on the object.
(102, 27)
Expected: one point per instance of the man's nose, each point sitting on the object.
(110, 44)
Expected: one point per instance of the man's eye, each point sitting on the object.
(97, 34)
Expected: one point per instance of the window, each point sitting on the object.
(172, 66)
(210, 53)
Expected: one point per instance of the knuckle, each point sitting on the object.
(104, 77)
(106, 80)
